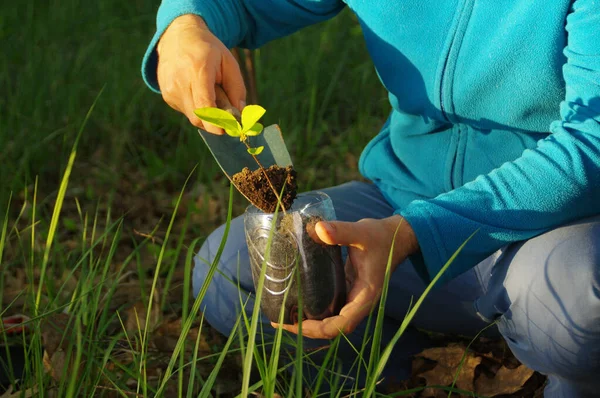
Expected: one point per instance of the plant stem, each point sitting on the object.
(267, 177)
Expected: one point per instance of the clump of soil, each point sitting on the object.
(255, 186)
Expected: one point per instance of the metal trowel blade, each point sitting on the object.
(232, 156)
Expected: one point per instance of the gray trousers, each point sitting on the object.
(543, 293)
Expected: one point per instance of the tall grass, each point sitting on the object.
(84, 369)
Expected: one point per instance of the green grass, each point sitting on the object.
(106, 198)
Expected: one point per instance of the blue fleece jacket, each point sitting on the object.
(495, 122)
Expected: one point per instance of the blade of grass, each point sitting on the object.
(246, 323)
(192, 377)
(173, 265)
(33, 223)
(4, 229)
(330, 354)
(376, 345)
(184, 308)
(299, 340)
(74, 374)
(80, 264)
(260, 383)
(36, 341)
(388, 349)
(210, 381)
(274, 361)
(10, 369)
(196, 306)
(59, 202)
(464, 357)
(156, 276)
(256, 310)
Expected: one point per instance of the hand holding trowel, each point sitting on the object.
(255, 160)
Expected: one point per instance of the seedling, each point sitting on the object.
(249, 127)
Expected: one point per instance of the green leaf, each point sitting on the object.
(255, 130)
(256, 151)
(220, 118)
(250, 115)
(235, 133)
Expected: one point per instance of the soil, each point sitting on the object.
(257, 189)
(323, 278)
(295, 253)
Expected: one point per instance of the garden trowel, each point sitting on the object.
(232, 155)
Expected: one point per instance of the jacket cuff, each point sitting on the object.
(432, 255)
(167, 12)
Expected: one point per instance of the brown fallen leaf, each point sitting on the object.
(136, 316)
(55, 332)
(506, 381)
(55, 364)
(448, 361)
(58, 332)
(167, 334)
(19, 394)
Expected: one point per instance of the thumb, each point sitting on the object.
(339, 232)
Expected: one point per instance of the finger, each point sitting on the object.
(351, 315)
(203, 96)
(340, 233)
(232, 81)
(188, 111)
(360, 303)
(313, 329)
(331, 327)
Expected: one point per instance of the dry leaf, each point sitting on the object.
(167, 334)
(136, 316)
(57, 335)
(54, 328)
(55, 363)
(506, 381)
(448, 360)
(19, 394)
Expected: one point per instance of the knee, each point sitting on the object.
(231, 259)
(208, 252)
(553, 287)
(205, 258)
(223, 284)
(563, 279)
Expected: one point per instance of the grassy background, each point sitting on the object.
(109, 254)
(318, 85)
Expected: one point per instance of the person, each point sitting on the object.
(494, 130)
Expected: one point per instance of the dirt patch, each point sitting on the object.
(257, 189)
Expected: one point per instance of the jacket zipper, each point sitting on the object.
(456, 34)
(464, 9)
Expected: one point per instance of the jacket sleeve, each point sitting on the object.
(239, 23)
(555, 183)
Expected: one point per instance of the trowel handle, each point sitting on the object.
(223, 102)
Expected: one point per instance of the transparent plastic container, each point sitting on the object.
(296, 257)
